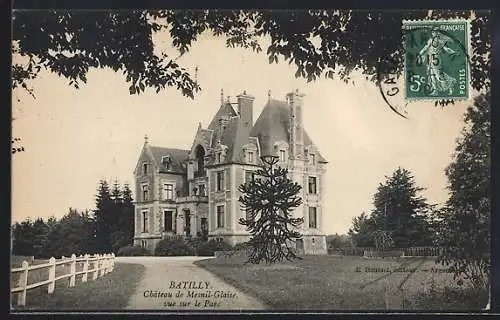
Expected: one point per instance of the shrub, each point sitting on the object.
(243, 246)
(128, 251)
(208, 248)
(173, 247)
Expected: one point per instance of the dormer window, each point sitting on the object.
(250, 157)
(282, 155)
(165, 160)
(312, 158)
(145, 168)
(219, 157)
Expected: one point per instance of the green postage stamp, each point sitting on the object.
(436, 60)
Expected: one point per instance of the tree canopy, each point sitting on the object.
(464, 223)
(318, 42)
(399, 210)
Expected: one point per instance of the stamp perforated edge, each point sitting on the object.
(467, 65)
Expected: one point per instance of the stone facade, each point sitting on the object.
(195, 192)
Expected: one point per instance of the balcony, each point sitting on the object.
(192, 199)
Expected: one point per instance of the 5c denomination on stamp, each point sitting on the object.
(436, 59)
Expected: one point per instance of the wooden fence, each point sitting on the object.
(406, 252)
(101, 265)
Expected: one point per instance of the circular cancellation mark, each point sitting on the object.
(435, 65)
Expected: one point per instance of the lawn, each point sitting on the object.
(343, 283)
(107, 292)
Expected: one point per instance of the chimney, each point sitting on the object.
(295, 102)
(245, 109)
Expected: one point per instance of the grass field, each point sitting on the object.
(107, 292)
(344, 283)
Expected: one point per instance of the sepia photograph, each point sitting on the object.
(250, 161)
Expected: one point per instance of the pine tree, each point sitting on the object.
(102, 213)
(269, 200)
(400, 211)
(128, 215)
(116, 232)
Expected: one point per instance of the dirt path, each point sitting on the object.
(176, 283)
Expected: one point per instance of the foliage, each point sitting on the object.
(318, 42)
(114, 216)
(173, 247)
(269, 201)
(69, 43)
(336, 242)
(42, 239)
(209, 247)
(400, 213)
(453, 298)
(241, 246)
(383, 240)
(464, 223)
(128, 251)
(109, 227)
(72, 234)
(362, 231)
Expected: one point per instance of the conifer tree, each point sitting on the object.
(269, 200)
(128, 214)
(104, 205)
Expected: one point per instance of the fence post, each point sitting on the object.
(96, 267)
(72, 271)
(23, 282)
(103, 264)
(108, 265)
(112, 261)
(85, 267)
(52, 275)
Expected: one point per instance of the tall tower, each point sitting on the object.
(295, 102)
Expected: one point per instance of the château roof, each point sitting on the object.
(273, 125)
(177, 156)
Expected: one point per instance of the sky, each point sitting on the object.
(75, 137)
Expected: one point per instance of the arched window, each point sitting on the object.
(200, 159)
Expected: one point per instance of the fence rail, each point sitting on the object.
(406, 252)
(101, 265)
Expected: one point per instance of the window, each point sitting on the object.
(166, 162)
(144, 243)
(168, 191)
(144, 168)
(219, 157)
(220, 216)
(201, 190)
(168, 220)
(313, 158)
(249, 175)
(145, 192)
(313, 223)
(145, 221)
(250, 156)
(312, 185)
(220, 181)
(204, 226)
(282, 155)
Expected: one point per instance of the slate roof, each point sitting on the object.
(177, 156)
(273, 125)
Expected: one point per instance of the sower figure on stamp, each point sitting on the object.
(431, 54)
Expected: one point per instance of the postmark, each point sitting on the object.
(436, 60)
